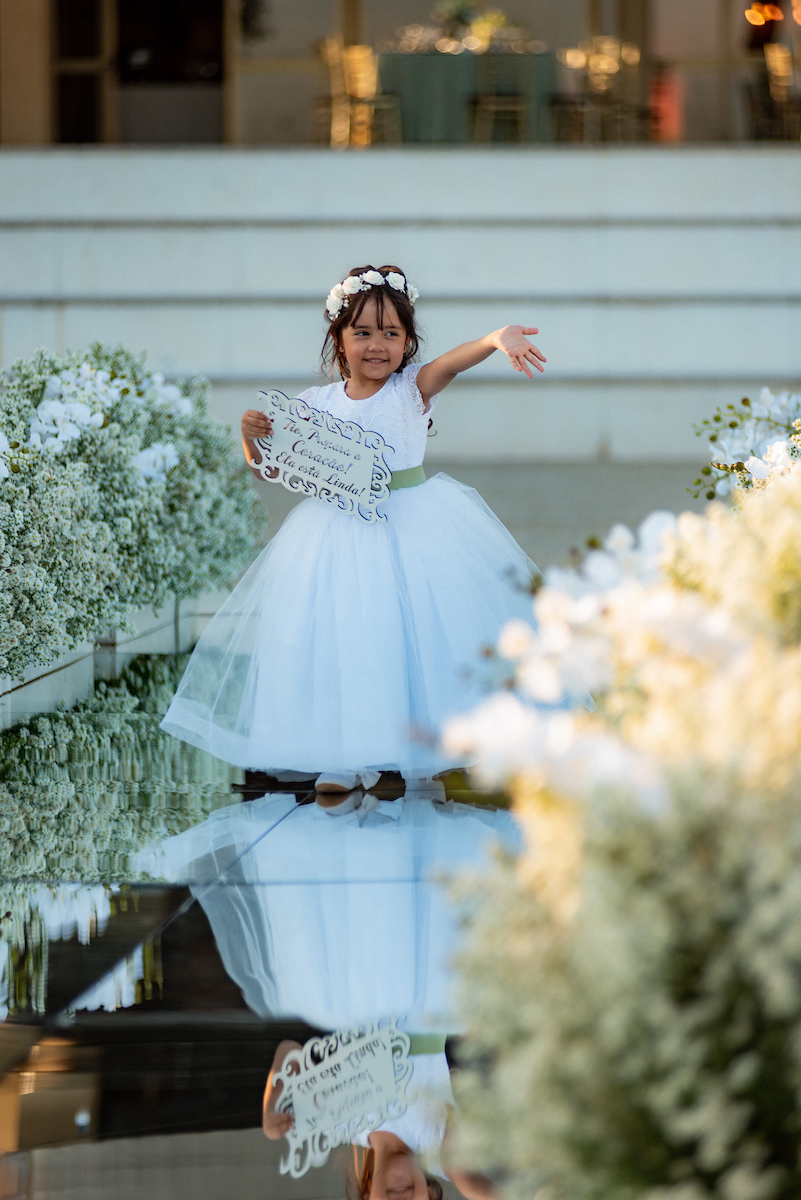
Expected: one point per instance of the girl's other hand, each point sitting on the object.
(276, 1125)
(256, 425)
(513, 341)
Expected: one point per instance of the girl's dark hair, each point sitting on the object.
(332, 346)
(360, 1182)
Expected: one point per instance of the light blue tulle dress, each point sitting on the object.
(346, 645)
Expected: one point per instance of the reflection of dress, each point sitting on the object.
(344, 638)
(338, 920)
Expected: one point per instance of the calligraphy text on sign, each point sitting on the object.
(358, 1078)
(317, 454)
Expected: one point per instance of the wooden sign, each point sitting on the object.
(341, 1085)
(317, 454)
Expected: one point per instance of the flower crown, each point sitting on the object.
(339, 296)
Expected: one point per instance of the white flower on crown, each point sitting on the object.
(396, 281)
(336, 298)
(352, 285)
(374, 278)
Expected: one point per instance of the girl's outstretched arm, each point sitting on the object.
(512, 340)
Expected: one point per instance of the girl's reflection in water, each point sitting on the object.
(338, 917)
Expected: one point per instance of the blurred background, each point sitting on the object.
(190, 177)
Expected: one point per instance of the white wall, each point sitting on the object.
(663, 280)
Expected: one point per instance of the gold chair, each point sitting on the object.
(500, 98)
(357, 113)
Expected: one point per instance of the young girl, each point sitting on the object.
(400, 1159)
(346, 645)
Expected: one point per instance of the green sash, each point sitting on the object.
(427, 1043)
(411, 477)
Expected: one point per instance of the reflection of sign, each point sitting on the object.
(314, 453)
(340, 1085)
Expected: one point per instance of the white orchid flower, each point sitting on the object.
(54, 420)
(757, 468)
(778, 456)
(80, 413)
(155, 461)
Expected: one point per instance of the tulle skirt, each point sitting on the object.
(345, 646)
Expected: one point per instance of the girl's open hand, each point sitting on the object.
(256, 425)
(513, 341)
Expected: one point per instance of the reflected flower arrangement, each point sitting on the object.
(81, 794)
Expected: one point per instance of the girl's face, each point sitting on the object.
(398, 1177)
(372, 353)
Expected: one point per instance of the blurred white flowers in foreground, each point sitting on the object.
(633, 982)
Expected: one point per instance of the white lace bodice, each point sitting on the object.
(396, 412)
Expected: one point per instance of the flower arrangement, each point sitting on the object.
(116, 490)
(633, 982)
(81, 793)
(750, 441)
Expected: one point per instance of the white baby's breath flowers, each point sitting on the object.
(116, 490)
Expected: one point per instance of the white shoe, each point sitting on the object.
(336, 805)
(346, 783)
